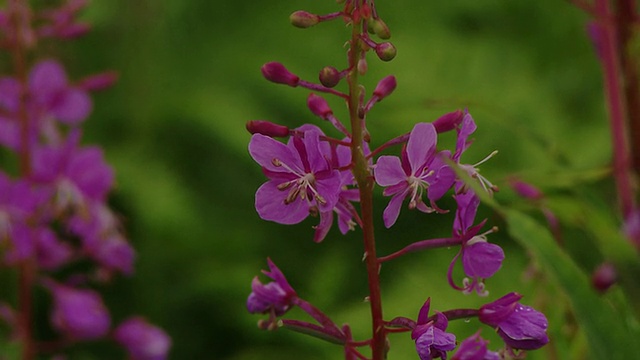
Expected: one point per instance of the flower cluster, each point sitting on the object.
(312, 173)
(54, 211)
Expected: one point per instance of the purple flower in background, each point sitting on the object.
(419, 170)
(521, 327)
(79, 314)
(142, 340)
(631, 227)
(431, 339)
(301, 179)
(18, 204)
(480, 259)
(475, 348)
(276, 296)
(102, 239)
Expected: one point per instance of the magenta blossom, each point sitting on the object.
(480, 259)
(301, 179)
(475, 348)
(521, 327)
(79, 314)
(431, 339)
(142, 340)
(276, 297)
(419, 170)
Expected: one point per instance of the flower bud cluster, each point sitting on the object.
(54, 211)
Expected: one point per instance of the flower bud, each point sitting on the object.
(603, 277)
(98, 81)
(329, 76)
(303, 19)
(449, 121)
(267, 128)
(318, 106)
(277, 73)
(386, 51)
(362, 66)
(385, 87)
(378, 27)
(79, 313)
(526, 190)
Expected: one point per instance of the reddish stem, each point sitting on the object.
(612, 76)
(19, 10)
(364, 179)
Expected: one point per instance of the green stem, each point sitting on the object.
(364, 179)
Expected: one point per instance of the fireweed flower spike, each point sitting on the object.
(521, 327)
(431, 339)
(301, 179)
(480, 259)
(419, 170)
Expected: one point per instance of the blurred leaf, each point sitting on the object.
(608, 337)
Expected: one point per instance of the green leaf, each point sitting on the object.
(609, 335)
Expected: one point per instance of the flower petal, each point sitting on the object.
(388, 171)
(392, 211)
(264, 150)
(270, 205)
(482, 259)
(421, 145)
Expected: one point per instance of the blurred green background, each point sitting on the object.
(173, 128)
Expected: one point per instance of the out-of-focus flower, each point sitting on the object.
(79, 314)
(142, 340)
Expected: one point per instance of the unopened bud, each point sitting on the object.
(303, 19)
(603, 277)
(277, 73)
(526, 190)
(99, 81)
(267, 128)
(362, 66)
(385, 87)
(448, 121)
(329, 76)
(378, 27)
(386, 51)
(318, 106)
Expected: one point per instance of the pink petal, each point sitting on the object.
(421, 145)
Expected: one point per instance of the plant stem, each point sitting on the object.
(627, 16)
(364, 179)
(611, 72)
(19, 10)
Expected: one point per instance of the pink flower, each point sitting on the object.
(78, 313)
(142, 340)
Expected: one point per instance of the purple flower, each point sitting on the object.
(19, 203)
(420, 170)
(631, 227)
(480, 259)
(467, 127)
(301, 179)
(521, 327)
(431, 339)
(79, 314)
(344, 209)
(79, 173)
(475, 348)
(142, 340)
(276, 296)
(99, 230)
